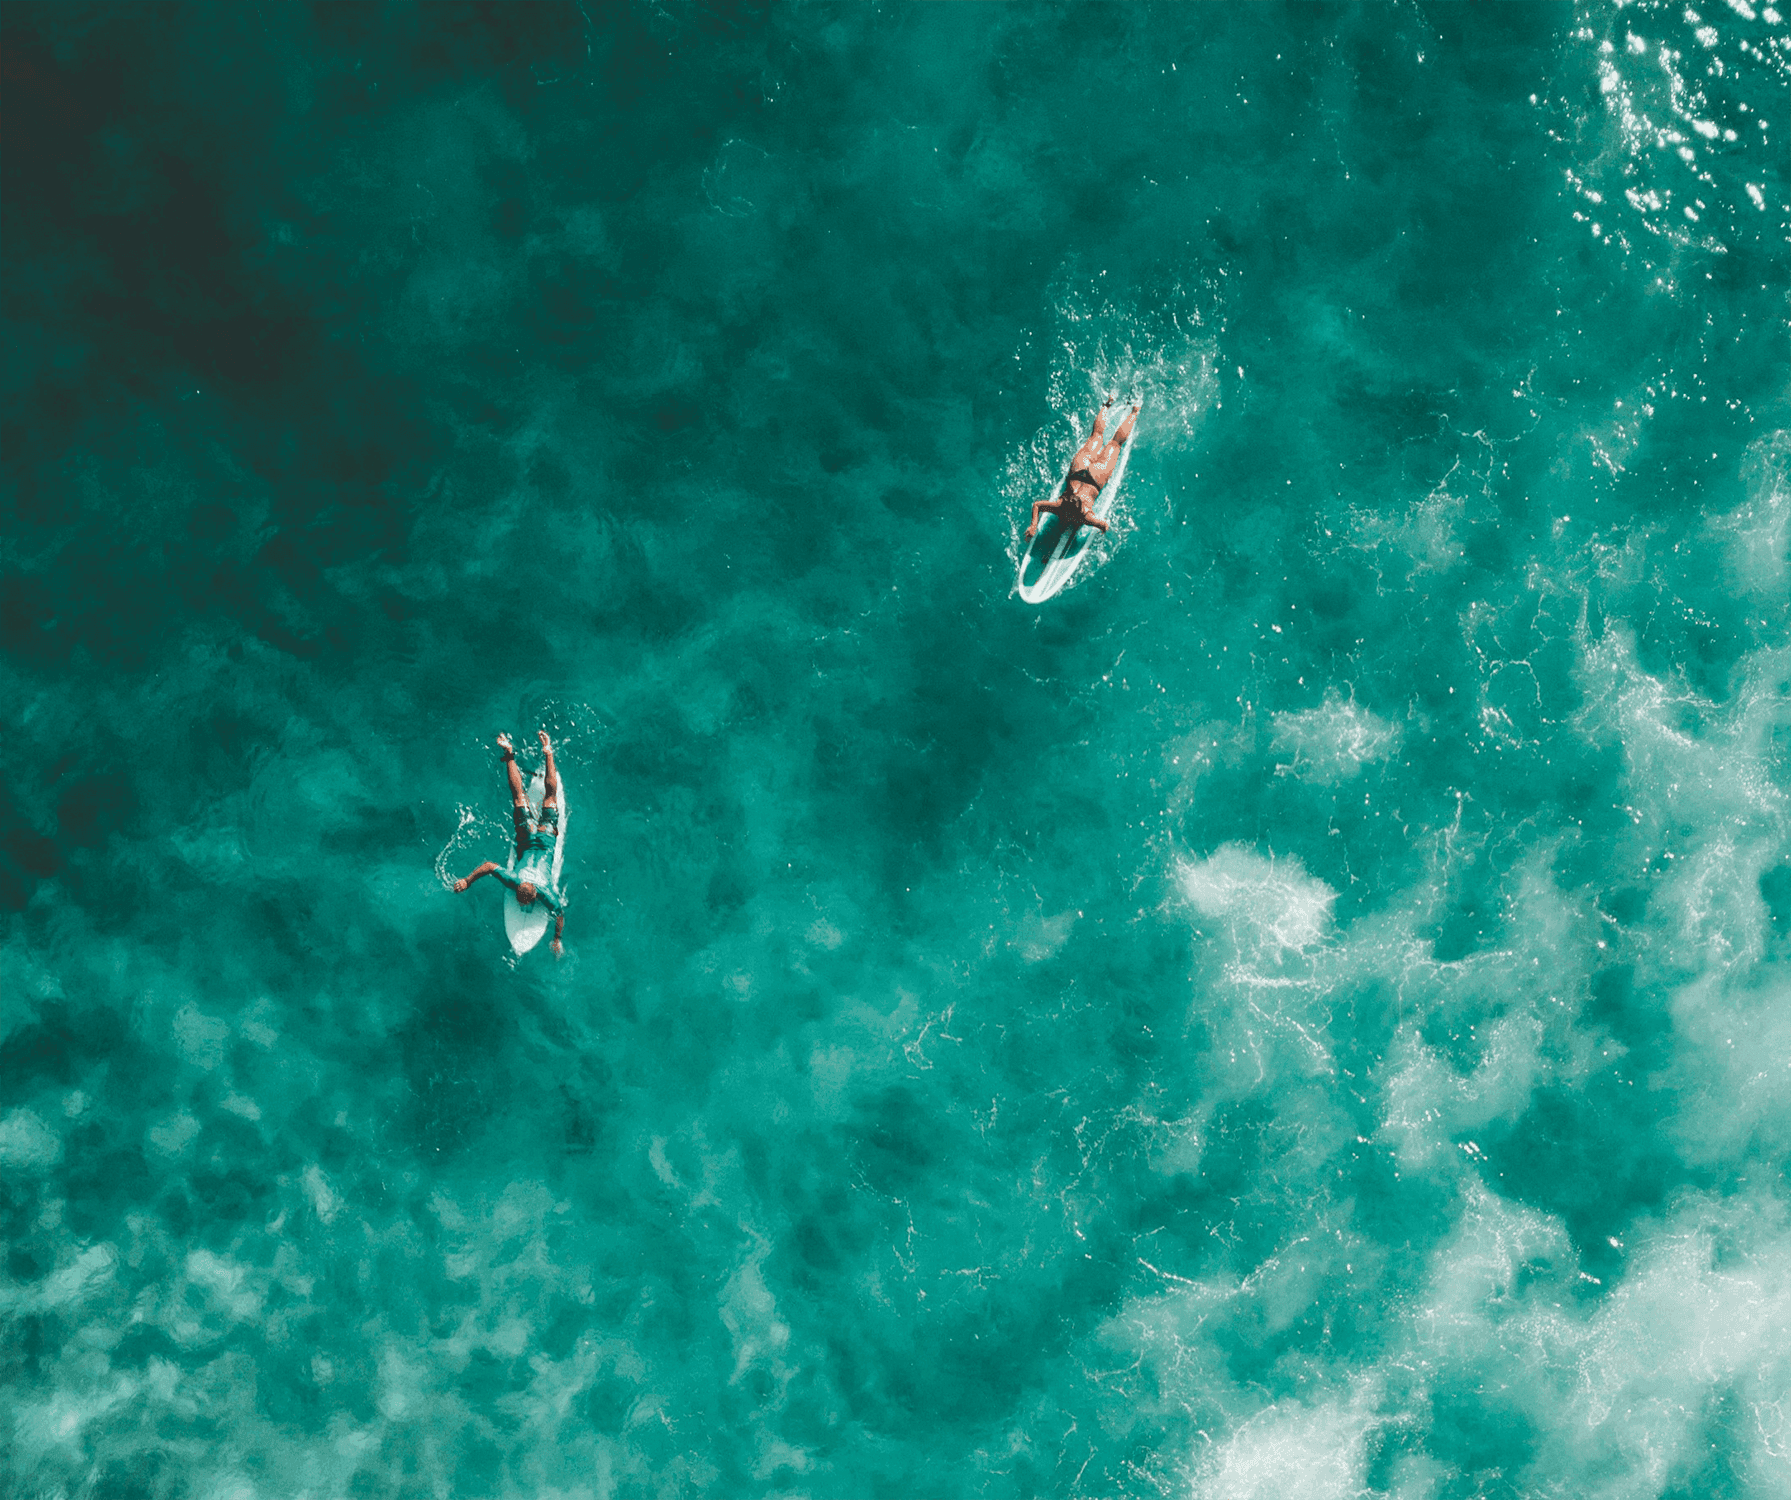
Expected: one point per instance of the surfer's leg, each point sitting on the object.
(1106, 460)
(518, 793)
(1125, 431)
(552, 794)
(519, 796)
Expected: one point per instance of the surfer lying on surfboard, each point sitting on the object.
(1090, 470)
(534, 838)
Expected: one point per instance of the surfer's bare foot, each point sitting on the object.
(503, 743)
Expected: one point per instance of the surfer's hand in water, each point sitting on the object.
(503, 743)
(460, 885)
(546, 743)
(559, 948)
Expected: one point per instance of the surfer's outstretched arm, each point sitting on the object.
(551, 794)
(1055, 507)
(559, 926)
(488, 868)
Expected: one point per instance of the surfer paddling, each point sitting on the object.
(535, 838)
(1090, 470)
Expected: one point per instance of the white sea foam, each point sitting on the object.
(1759, 530)
(1267, 995)
(1620, 1389)
(1428, 1104)
(1294, 1451)
(1424, 537)
(1710, 813)
(1270, 907)
(1331, 743)
(1624, 1388)
(1481, 1269)
(1735, 1067)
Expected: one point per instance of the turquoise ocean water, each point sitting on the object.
(1303, 1015)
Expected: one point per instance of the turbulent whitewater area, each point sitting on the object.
(1304, 1015)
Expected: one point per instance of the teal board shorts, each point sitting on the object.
(535, 835)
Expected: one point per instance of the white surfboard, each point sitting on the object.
(1051, 558)
(526, 926)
